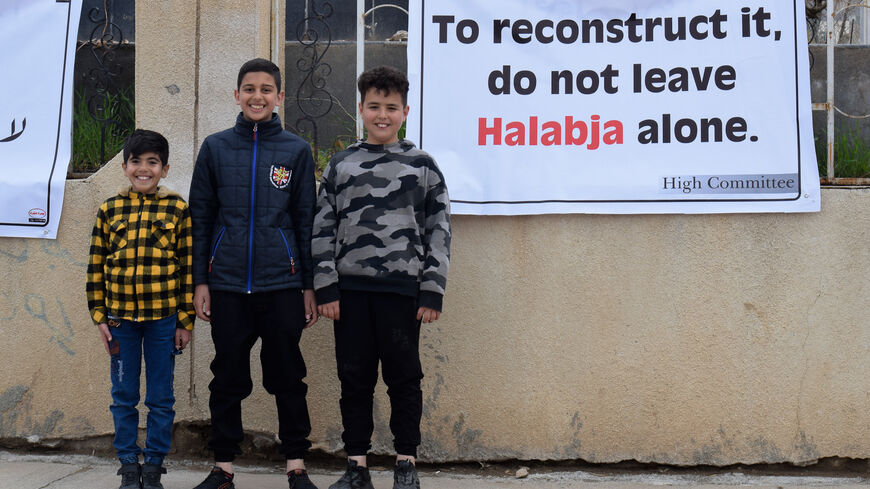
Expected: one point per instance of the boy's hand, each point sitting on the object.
(428, 315)
(310, 307)
(182, 338)
(105, 335)
(202, 302)
(329, 310)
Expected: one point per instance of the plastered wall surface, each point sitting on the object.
(672, 339)
(686, 340)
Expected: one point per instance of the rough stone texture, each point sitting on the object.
(712, 339)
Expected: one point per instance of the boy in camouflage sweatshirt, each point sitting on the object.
(381, 246)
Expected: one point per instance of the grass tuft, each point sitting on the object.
(851, 153)
(87, 131)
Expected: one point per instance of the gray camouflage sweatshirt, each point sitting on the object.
(382, 224)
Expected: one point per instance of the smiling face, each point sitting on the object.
(382, 115)
(257, 96)
(145, 171)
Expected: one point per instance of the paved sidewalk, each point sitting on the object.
(81, 472)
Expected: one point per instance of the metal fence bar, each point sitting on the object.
(830, 86)
(360, 58)
(361, 15)
(276, 33)
(865, 25)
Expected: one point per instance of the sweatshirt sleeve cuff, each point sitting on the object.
(432, 300)
(327, 294)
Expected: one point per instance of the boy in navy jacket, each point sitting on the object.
(252, 201)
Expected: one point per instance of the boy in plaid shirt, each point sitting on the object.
(140, 296)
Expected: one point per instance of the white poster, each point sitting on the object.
(615, 106)
(37, 52)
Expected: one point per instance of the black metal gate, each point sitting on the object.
(104, 112)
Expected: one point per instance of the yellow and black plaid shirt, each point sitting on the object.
(141, 256)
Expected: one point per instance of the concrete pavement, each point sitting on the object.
(19, 471)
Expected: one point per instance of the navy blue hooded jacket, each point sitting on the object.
(252, 201)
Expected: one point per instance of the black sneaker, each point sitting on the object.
(151, 476)
(217, 479)
(405, 476)
(355, 477)
(131, 476)
(298, 479)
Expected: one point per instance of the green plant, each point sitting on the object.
(851, 153)
(120, 111)
(323, 155)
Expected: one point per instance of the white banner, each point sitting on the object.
(615, 106)
(37, 52)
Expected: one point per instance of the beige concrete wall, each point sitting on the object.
(684, 340)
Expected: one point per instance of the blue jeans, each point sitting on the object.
(157, 340)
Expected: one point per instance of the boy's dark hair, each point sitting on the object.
(384, 79)
(260, 64)
(143, 141)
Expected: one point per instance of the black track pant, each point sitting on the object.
(378, 326)
(237, 320)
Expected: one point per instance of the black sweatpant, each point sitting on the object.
(237, 320)
(379, 326)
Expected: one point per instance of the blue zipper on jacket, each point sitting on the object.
(251, 216)
(289, 252)
(214, 249)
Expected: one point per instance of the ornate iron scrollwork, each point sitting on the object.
(312, 98)
(105, 39)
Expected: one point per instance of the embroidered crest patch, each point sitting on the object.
(280, 176)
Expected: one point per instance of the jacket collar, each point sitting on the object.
(268, 128)
(162, 192)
